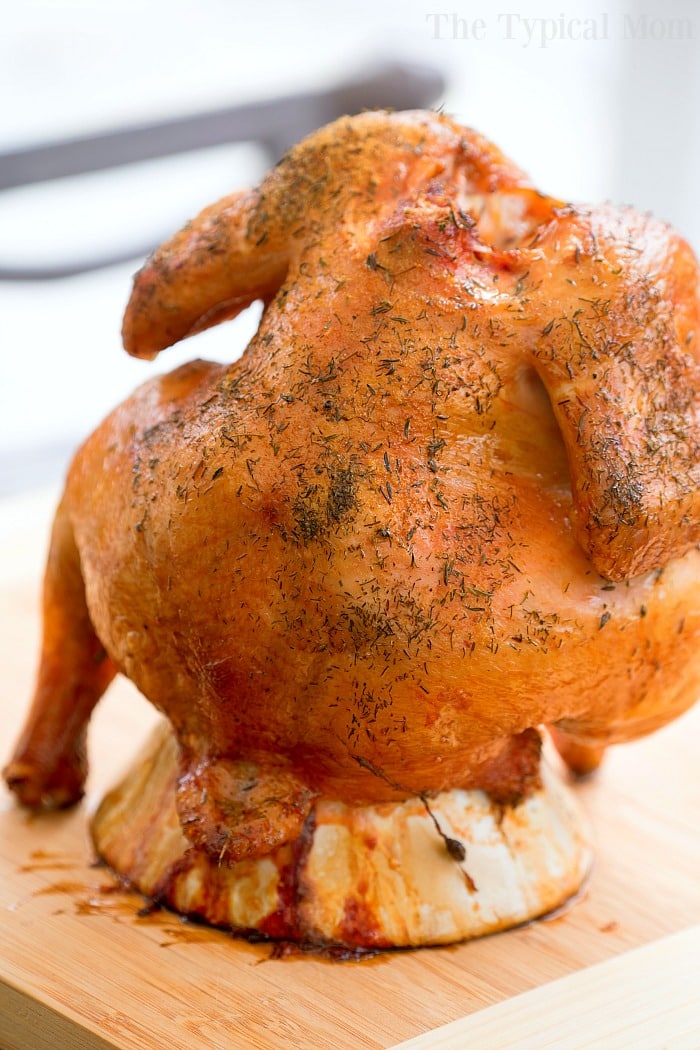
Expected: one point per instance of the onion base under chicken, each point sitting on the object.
(422, 871)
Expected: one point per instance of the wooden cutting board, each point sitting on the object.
(80, 967)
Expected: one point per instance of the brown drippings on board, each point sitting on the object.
(332, 953)
(44, 860)
(188, 932)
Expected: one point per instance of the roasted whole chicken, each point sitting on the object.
(448, 495)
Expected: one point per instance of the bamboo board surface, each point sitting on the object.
(80, 968)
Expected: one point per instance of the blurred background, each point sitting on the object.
(597, 102)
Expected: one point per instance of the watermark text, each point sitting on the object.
(546, 32)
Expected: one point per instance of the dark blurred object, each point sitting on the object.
(276, 125)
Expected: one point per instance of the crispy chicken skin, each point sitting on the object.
(448, 494)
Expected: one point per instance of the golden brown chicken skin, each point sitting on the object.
(448, 494)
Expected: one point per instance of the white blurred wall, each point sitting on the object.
(612, 117)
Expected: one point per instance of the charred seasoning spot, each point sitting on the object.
(623, 500)
(321, 506)
(367, 626)
(341, 500)
(162, 432)
(308, 523)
